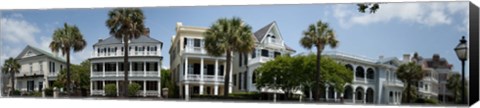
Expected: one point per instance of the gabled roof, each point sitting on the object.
(262, 32)
(42, 52)
(141, 39)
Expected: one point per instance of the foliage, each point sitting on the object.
(111, 90)
(410, 74)
(48, 91)
(166, 79)
(133, 89)
(427, 101)
(64, 40)
(80, 76)
(16, 93)
(293, 73)
(454, 84)
(126, 24)
(227, 36)
(362, 7)
(318, 35)
(11, 66)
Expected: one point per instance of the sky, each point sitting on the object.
(395, 29)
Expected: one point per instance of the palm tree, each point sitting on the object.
(64, 40)
(126, 24)
(454, 83)
(11, 66)
(318, 35)
(226, 36)
(410, 74)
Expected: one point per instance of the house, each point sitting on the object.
(197, 73)
(39, 69)
(145, 60)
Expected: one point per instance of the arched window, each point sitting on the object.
(360, 72)
(370, 73)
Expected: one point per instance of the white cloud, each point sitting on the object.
(429, 14)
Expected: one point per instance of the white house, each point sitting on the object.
(39, 69)
(107, 65)
(188, 56)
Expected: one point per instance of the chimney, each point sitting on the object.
(406, 57)
(147, 31)
(173, 38)
(100, 39)
(179, 24)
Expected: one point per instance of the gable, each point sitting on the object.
(28, 52)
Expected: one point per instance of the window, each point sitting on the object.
(99, 85)
(110, 66)
(264, 53)
(121, 67)
(254, 53)
(31, 68)
(234, 79)
(196, 42)
(276, 54)
(152, 66)
(221, 71)
(245, 80)
(245, 58)
(41, 66)
(30, 85)
(184, 42)
(370, 73)
(40, 86)
(360, 72)
(152, 85)
(97, 67)
(53, 67)
(254, 77)
(240, 59)
(137, 66)
(240, 80)
(210, 70)
(196, 68)
(61, 67)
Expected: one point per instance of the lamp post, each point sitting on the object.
(462, 50)
(275, 89)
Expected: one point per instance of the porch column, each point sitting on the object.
(365, 96)
(186, 69)
(353, 94)
(326, 93)
(103, 69)
(230, 71)
(187, 95)
(103, 85)
(91, 87)
(216, 78)
(144, 88)
(116, 83)
(365, 77)
(159, 68)
(216, 90)
(130, 72)
(335, 96)
(202, 68)
(144, 69)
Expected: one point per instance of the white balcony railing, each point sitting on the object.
(97, 73)
(197, 77)
(195, 50)
(121, 73)
(260, 59)
(110, 73)
(97, 92)
(131, 53)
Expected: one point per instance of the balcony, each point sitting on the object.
(195, 50)
(33, 73)
(394, 83)
(97, 92)
(259, 59)
(131, 53)
(121, 74)
(197, 77)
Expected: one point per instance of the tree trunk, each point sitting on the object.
(126, 66)
(317, 75)
(226, 84)
(68, 88)
(12, 75)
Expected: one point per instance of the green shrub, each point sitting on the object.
(17, 93)
(426, 101)
(36, 94)
(48, 91)
(110, 90)
(133, 88)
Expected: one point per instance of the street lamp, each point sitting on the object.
(462, 50)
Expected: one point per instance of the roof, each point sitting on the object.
(261, 33)
(141, 39)
(48, 54)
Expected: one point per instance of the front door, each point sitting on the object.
(40, 86)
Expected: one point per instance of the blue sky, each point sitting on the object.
(397, 28)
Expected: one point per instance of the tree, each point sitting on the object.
(167, 81)
(67, 39)
(80, 77)
(454, 83)
(294, 73)
(362, 7)
(318, 35)
(126, 24)
(410, 74)
(11, 66)
(227, 36)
